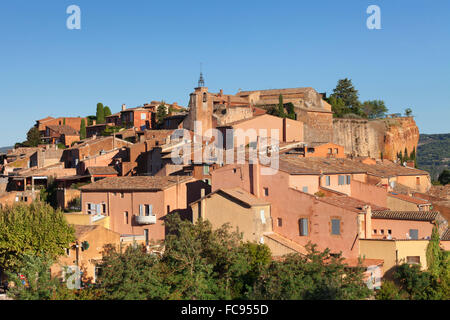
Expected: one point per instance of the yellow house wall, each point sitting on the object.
(400, 205)
(220, 210)
(385, 250)
(85, 220)
(412, 248)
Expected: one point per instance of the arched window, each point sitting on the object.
(205, 97)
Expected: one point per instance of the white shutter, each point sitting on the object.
(150, 209)
(98, 208)
(263, 217)
(141, 209)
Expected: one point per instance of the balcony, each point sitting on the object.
(145, 220)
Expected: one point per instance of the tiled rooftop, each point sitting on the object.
(135, 183)
(240, 195)
(350, 203)
(446, 235)
(405, 215)
(294, 164)
(107, 170)
(68, 131)
(408, 198)
(245, 197)
(81, 230)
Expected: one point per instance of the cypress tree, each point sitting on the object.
(83, 129)
(100, 113)
(280, 106)
(106, 111)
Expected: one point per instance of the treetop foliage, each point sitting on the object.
(35, 229)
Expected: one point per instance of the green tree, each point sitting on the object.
(290, 111)
(346, 92)
(33, 138)
(408, 112)
(444, 177)
(83, 129)
(374, 109)
(281, 112)
(205, 263)
(49, 193)
(100, 115)
(106, 111)
(417, 284)
(36, 229)
(389, 291)
(337, 106)
(405, 155)
(132, 275)
(412, 156)
(314, 276)
(161, 113)
(434, 253)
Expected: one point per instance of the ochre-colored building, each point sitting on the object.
(138, 205)
(86, 252)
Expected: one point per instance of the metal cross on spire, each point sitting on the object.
(201, 81)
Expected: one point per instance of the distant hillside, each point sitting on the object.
(433, 153)
(5, 149)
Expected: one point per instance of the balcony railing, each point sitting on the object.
(144, 220)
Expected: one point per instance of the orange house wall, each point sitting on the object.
(400, 228)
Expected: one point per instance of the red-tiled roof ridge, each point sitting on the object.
(136, 183)
(408, 198)
(285, 242)
(405, 215)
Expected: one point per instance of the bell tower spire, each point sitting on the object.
(201, 81)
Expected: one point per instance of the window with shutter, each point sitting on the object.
(414, 234)
(336, 226)
(341, 180)
(328, 180)
(263, 217)
(303, 226)
(348, 179)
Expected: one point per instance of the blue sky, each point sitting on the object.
(136, 51)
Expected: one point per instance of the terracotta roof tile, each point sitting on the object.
(285, 242)
(446, 235)
(68, 131)
(106, 170)
(136, 183)
(408, 198)
(245, 196)
(350, 203)
(405, 215)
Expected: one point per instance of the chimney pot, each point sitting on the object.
(124, 107)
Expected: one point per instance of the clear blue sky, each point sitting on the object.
(136, 51)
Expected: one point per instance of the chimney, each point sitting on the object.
(124, 107)
(203, 204)
(255, 171)
(94, 122)
(221, 92)
(368, 221)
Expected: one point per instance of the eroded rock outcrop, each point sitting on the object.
(374, 137)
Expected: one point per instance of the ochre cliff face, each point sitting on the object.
(403, 133)
(371, 138)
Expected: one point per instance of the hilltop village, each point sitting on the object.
(334, 182)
